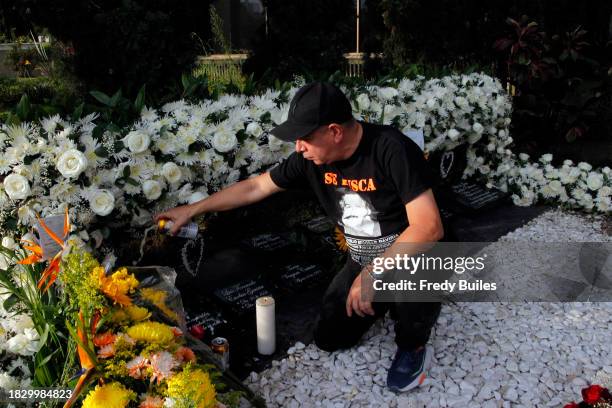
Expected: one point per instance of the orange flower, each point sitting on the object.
(104, 339)
(185, 354)
(150, 401)
(107, 351)
(117, 286)
(137, 367)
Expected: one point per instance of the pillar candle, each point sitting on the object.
(266, 325)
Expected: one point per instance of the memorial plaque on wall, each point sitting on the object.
(476, 197)
(240, 297)
(267, 242)
(301, 276)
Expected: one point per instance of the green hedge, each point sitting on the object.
(45, 90)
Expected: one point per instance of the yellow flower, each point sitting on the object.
(111, 395)
(118, 285)
(192, 388)
(137, 313)
(158, 298)
(151, 332)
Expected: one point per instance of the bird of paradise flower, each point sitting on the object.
(52, 271)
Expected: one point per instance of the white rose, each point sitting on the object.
(595, 181)
(274, 143)
(16, 186)
(102, 202)
(9, 243)
(71, 163)
(171, 172)
(4, 265)
(502, 134)
(556, 186)
(584, 166)
(477, 127)
(151, 189)
(387, 93)
(603, 204)
(197, 196)
(224, 141)
(363, 101)
(523, 156)
(254, 129)
(453, 134)
(137, 141)
(546, 158)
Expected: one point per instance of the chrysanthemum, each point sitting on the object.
(151, 332)
(137, 366)
(185, 354)
(111, 395)
(192, 387)
(151, 401)
(162, 364)
(117, 286)
(137, 313)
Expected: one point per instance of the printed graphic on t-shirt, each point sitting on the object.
(364, 250)
(358, 216)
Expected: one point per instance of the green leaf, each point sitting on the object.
(98, 132)
(23, 108)
(185, 80)
(78, 112)
(140, 99)
(126, 172)
(115, 99)
(101, 152)
(131, 181)
(101, 97)
(10, 302)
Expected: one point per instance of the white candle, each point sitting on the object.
(266, 325)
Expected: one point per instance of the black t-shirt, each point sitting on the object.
(365, 194)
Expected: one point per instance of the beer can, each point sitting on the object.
(220, 346)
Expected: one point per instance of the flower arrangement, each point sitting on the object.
(594, 396)
(183, 152)
(128, 343)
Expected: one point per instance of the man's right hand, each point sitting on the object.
(178, 215)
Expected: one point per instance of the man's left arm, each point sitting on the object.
(425, 226)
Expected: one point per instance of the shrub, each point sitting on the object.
(124, 44)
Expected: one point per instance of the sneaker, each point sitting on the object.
(408, 369)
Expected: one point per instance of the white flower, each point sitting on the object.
(453, 134)
(594, 181)
(197, 196)
(524, 156)
(274, 144)
(102, 202)
(387, 93)
(603, 204)
(9, 243)
(478, 128)
(171, 172)
(546, 158)
(556, 186)
(7, 382)
(474, 137)
(605, 191)
(254, 129)
(16, 186)
(137, 141)
(584, 166)
(4, 265)
(25, 344)
(151, 189)
(71, 163)
(363, 101)
(224, 140)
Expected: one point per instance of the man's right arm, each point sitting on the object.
(243, 193)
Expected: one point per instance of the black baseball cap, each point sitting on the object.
(315, 104)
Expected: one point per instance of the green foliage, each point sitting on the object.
(121, 44)
(563, 91)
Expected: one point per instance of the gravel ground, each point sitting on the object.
(486, 354)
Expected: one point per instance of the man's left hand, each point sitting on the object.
(360, 296)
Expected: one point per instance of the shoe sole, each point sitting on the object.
(419, 380)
